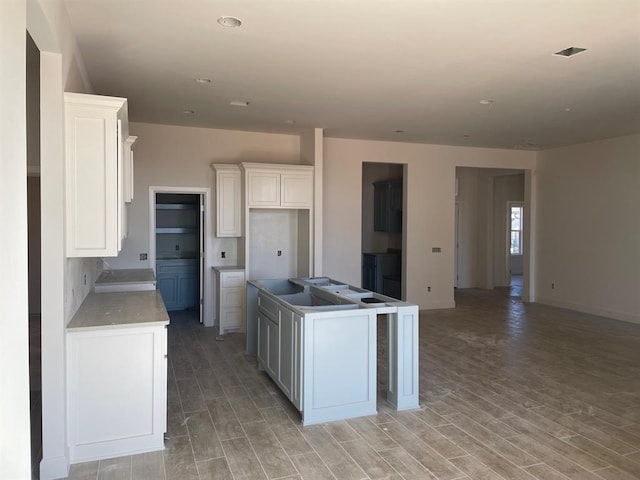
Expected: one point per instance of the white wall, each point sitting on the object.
(588, 227)
(430, 213)
(15, 461)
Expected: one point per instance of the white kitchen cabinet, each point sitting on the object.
(228, 200)
(95, 127)
(117, 376)
(129, 143)
(230, 282)
(279, 186)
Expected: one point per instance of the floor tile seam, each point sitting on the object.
(368, 445)
(256, 453)
(306, 453)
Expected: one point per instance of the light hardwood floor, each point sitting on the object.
(508, 391)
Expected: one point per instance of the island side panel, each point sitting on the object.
(402, 391)
(339, 378)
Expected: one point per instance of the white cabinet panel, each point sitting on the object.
(263, 189)
(279, 186)
(230, 295)
(297, 190)
(94, 128)
(117, 391)
(228, 200)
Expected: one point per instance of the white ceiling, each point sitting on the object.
(366, 68)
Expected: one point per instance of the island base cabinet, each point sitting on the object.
(117, 384)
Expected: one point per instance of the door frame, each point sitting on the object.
(206, 277)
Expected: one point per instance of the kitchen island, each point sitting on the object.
(316, 338)
(117, 375)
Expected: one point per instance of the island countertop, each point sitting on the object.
(121, 309)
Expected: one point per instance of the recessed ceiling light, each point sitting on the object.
(569, 52)
(290, 122)
(466, 136)
(188, 112)
(238, 103)
(487, 101)
(229, 21)
(567, 109)
(202, 80)
(399, 131)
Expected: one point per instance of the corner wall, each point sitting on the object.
(588, 228)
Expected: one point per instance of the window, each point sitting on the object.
(516, 229)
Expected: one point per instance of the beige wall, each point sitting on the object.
(588, 227)
(173, 156)
(430, 208)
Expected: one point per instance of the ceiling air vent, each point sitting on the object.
(569, 52)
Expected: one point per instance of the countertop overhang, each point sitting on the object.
(134, 275)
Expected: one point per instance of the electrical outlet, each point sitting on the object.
(428, 289)
(279, 253)
(553, 286)
(436, 249)
(85, 278)
(223, 254)
(143, 256)
(177, 247)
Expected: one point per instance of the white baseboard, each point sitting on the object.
(438, 305)
(624, 316)
(53, 468)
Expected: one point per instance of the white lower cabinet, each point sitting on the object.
(117, 391)
(230, 294)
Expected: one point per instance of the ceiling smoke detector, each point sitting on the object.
(569, 52)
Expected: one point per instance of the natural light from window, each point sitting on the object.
(516, 229)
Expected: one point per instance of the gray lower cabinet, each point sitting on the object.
(179, 283)
(280, 340)
(381, 272)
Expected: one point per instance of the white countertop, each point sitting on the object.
(228, 268)
(122, 309)
(134, 275)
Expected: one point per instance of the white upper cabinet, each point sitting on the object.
(279, 186)
(129, 143)
(95, 127)
(228, 200)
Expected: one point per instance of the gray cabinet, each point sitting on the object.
(387, 206)
(279, 341)
(381, 272)
(179, 283)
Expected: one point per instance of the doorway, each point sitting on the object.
(177, 246)
(383, 226)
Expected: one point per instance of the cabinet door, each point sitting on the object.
(297, 190)
(263, 189)
(286, 373)
(188, 290)
(263, 340)
(273, 339)
(228, 221)
(168, 286)
(116, 390)
(296, 386)
(92, 177)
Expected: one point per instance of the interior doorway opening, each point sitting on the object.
(177, 247)
(383, 227)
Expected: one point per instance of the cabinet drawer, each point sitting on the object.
(268, 305)
(176, 267)
(232, 280)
